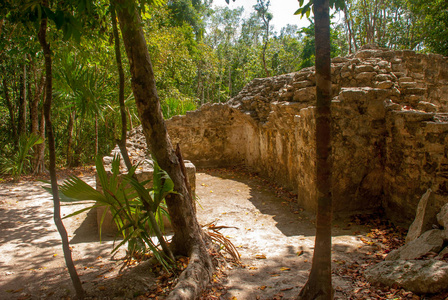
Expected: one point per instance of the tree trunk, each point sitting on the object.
(22, 102)
(70, 125)
(188, 239)
(34, 117)
(52, 168)
(131, 125)
(122, 141)
(11, 110)
(40, 161)
(96, 134)
(349, 29)
(319, 285)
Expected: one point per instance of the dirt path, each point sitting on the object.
(274, 239)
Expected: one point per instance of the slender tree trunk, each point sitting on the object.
(70, 126)
(131, 125)
(22, 102)
(34, 116)
(96, 135)
(349, 29)
(230, 79)
(40, 161)
(122, 141)
(319, 284)
(11, 110)
(188, 239)
(51, 146)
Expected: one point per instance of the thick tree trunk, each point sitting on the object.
(188, 239)
(319, 284)
(52, 168)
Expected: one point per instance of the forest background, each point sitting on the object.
(200, 54)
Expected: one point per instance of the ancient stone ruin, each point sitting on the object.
(390, 148)
(390, 132)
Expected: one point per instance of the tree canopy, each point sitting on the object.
(200, 54)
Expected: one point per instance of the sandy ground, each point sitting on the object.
(275, 240)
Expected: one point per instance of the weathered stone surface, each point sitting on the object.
(430, 241)
(384, 84)
(418, 226)
(426, 106)
(442, 216)
(389, 143)
(418, 276)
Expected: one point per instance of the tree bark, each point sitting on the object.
(52, 167)
(11, 110)
(319, 284)
(96, 135)
(22, 102)
(349, 29)
(122, 141)
(70, 125)
(34, 117)
(40, 162)
(188, 239)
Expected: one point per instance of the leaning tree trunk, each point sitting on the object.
(319, 285)
(188, 239)
(52, 167)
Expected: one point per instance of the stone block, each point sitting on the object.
(442, 216)
(365, 76)
(430, 241)
(418, 276)
(306, 94)
(384, 84)
(418, 226)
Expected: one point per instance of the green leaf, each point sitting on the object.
(76, 189)
(81, 211)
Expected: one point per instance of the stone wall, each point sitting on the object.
(416, 159)
(379, 145)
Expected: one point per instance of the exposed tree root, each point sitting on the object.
(195, 277)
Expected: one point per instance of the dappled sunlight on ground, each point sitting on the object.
(274, 237)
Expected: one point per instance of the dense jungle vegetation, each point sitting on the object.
(200, 54)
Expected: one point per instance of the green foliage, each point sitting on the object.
(131, 204)
(338, 46)
(432, 19)
(308, 7)
(175, 106)
(17, 161)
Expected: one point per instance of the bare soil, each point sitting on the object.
(273, 236)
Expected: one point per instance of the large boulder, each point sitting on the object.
(430, 241)
(418, 276)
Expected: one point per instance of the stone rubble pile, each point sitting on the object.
(421, 265)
